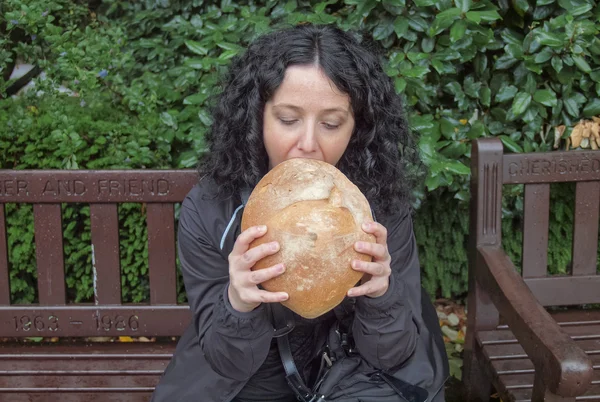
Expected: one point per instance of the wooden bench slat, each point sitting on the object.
(524, 365)
(141, 396)
(585, 235)
(90, 320)
(515, 351)
(524, 394)
(535, 230)
(550, 167)
(56, 186)
(576, 317)
(49, 253)
(104, 221)
(565, 290)
(506, 336)
(161, 253)
(79, 381)
(4, 276)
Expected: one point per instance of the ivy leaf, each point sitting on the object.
(424, 3)
(457, 167)
(457, 32)
(401, 26)
(571, 106)
(196, 47)
(557, 63)
(575, 7)
(592, 108)
(546, 97)
(505, 62)
(521, 103)
(432, 182)
(196, 99)
(548, 39)
(506, 93)
(464, 5)
(510, 144)
(543, 56)
(383, 30)
(168, 119)
(416, 72)
(581, 63)
(478, 16)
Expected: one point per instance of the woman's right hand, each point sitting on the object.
(244, 294)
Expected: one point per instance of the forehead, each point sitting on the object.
(309, 85)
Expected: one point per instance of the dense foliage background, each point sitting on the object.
(125, 84)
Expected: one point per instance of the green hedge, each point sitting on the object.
(126, 85)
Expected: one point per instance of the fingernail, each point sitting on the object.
(366, 226)
(355, 264)
(281, 268)
(274, 246)
(285, 297)
(262, 228)
(360, 245)
(351, 293)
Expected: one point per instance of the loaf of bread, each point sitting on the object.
(315, 213)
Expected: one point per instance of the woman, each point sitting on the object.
(311, 92)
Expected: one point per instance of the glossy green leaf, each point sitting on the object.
(506, 93)
(521, 103)
(415, 72)
(196, 47)
(510, 144)
(571, 106)
(456, 167)
(546, 97)
(581, 63)
(464, 5)
(557, 63)
(592, 108)
(478, 16)
(544, 55)
(549, 39)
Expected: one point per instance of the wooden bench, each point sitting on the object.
(513, 342)
(91, 371)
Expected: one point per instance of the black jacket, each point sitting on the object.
(223, 348)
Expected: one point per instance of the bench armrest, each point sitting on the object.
(566, 369)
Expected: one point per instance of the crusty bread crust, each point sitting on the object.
(315, 213)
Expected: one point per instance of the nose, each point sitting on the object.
(308, 139)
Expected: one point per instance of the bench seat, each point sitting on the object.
(107, 372)
(510, 366)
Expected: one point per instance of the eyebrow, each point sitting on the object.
(298, 108)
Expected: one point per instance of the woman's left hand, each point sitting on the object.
(377, 272)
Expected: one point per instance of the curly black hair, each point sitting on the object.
(380, 147)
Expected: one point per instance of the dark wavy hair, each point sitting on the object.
(380, 146)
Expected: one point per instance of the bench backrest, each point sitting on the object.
(537, 171)
(103, 190)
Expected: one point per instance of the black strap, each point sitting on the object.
(410, 392)
(282, 328)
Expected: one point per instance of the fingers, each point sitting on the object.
(255, 254)
(244, 257)
(372, 268)
(243, 241)
(262, 296)
(375, 287)
(379, 251)
(244, 294)
(376, 229)
(262, 275)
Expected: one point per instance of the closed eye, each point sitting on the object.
(288, 122)
(329, 126)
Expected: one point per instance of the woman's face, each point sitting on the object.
(307, 117)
